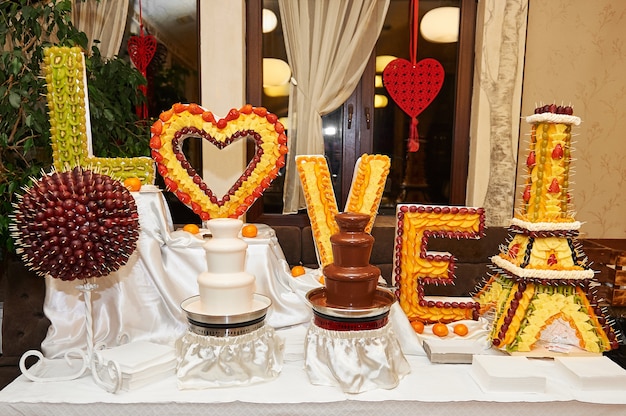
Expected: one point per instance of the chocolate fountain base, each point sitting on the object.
(226, 325)
(383, 300)
(350, 319)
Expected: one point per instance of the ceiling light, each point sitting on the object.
(441, 25)
(382, 61)
(275, 72)
(276, 90)
(269, 20)
(380, 101)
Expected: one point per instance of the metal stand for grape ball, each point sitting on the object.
(106, 374)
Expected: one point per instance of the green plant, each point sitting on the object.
(113, 96)
(27, 27)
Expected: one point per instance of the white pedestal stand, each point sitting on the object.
(106, 374)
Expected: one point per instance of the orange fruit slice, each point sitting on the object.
(132, 184)
(191, 228)
(297, 271)
(439, 329)
(460, 329)
(249, 231)
(418, 326)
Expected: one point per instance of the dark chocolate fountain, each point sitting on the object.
(350, 280)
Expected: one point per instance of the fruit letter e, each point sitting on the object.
(415, 266)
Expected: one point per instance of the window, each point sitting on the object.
(437, 173)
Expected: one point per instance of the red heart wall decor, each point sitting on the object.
(141, 50)
(413, 88)
(191, 120)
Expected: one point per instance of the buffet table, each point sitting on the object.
(141, 302)
(433, 389)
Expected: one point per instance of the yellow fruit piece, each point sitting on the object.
(191, 228)
(439, 329)
(249, 231)
(460, 329)
(132, 184)
(418, 326)
(297, 271)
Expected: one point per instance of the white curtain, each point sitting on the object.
(103, 20)
(328, 44)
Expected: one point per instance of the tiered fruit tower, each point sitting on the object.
(541, 294)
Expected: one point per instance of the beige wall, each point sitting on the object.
(576, 53)
(223, 80)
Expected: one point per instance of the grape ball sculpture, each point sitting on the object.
(76, 224)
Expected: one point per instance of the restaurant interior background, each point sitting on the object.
(522, 52)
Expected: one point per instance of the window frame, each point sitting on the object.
(359, 138)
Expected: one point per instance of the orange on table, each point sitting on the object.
(418, 326)
(297, 271)
(249, 231)
(439, 329)
(191, 228)
(460, 329)
(133, 184)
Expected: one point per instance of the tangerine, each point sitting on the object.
(132, 184)
(439, 329)
(191, 228)
(461, 329)
(297, 271)
(249, 231)
(418, 326)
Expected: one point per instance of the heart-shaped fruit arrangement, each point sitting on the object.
(191, 120)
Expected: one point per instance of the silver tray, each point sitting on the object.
(383, 300)
(260, 306)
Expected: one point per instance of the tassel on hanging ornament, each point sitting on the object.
(141, 50)
(413, 85)
(414, 138)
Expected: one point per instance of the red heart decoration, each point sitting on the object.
(413, 87)
(191, 120)
(141, 50)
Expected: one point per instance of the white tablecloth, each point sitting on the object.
(433, 389)
(141, 301)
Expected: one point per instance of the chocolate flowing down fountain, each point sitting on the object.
(351, 280)
(351, 298)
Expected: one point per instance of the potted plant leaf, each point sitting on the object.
(27, 27)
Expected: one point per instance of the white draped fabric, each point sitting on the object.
(355, 361)
(205, 361)
(102, 20)
(141, 301)
(328, 44)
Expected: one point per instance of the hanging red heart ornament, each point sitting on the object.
(413, 87)
(141, 50)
